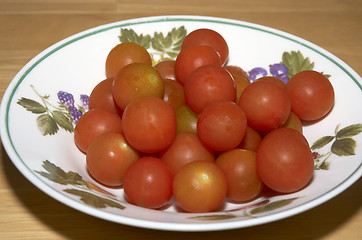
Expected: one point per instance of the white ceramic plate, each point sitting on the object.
(30, 108)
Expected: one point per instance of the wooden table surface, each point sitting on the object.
(29, 26)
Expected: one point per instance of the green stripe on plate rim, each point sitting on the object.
(155, 20)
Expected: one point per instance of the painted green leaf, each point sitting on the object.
(47, 124)
(349, 131)
(296, 62)
(65, 110)
(326, 75)
(129, 35)
(94, 200)
(31, 105)
(214, 217)
(324, 166)
(58, 175)
(272, 206)
(322, 142)
(171, 43)
(344, 147)
(63, 120)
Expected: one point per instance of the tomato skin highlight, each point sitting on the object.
(284, 160)
(108, 157)
(311, 94)
(148, 183)
(200, 186)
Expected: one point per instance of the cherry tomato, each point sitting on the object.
(185, 149)
(222, 126)
(284, 160)
(211, 38)
(124, 54)
(239, 167)
(108, 157)
(200, 186)
(134, 81)
(93, 123)
(208, 84)
(148, 183)
(240, 83)
(238, 71)
(311, 94)
(186, 119)
(173, 93)
(294, 122)
(192, 58)
(251, 140)
(166, 69)
(275, 80)
(149, 124)
(266, 105)
(102, 97)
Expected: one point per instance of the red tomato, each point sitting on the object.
(166, 69)
(275, 80)
(149, 124)
(108, 157)
(102, 97)
(208, 84)
(266, 105)
(242, 179)
(192, 58)
(221, 126)
(93, 123)
(284, 160)
(134, 81)
(311, 95)
(173, 93)
(148, 183)
(124, 54)
(210, 38)
(186, 119)
(200, 186)
(251, 140)
(185, 149)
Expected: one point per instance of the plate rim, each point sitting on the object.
(207, 226)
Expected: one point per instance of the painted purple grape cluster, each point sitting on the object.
(68, 100)
(84, 99)
(257, 72)
(278, 70)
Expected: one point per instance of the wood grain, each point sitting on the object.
(27, 27)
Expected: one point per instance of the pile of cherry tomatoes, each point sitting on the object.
(196, 128)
